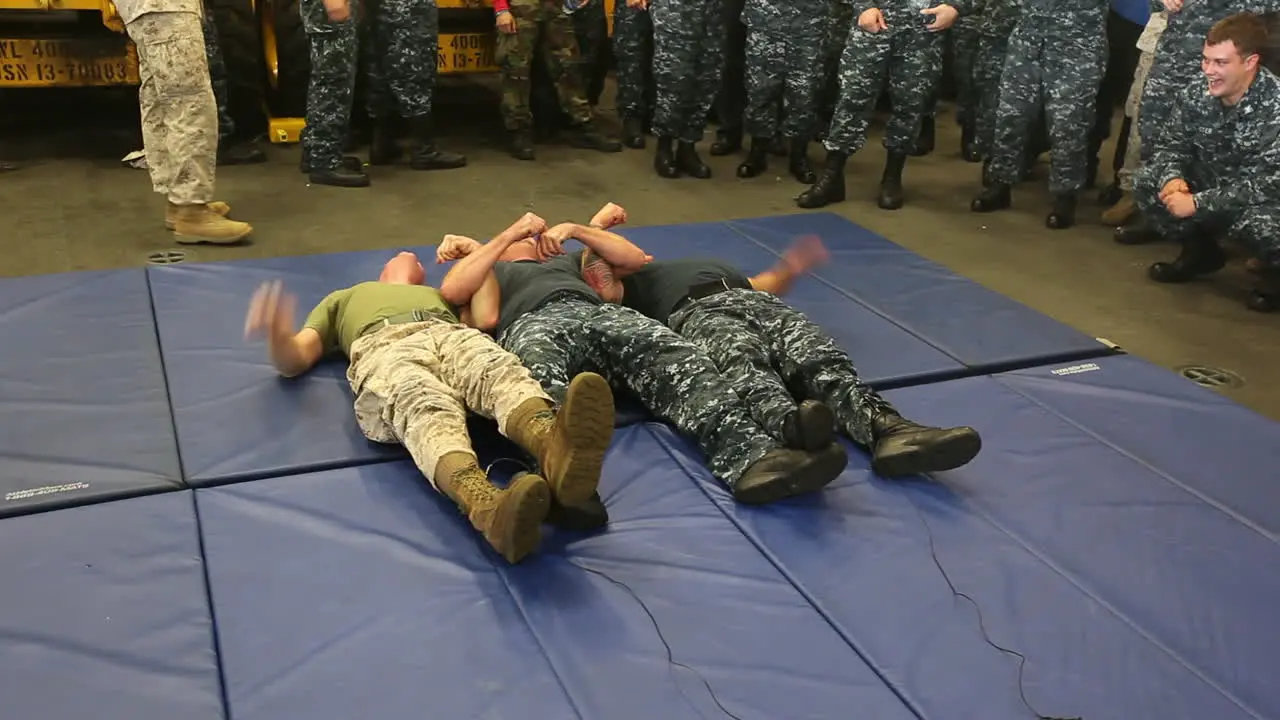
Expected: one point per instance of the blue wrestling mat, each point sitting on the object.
(86, 413)
(1118, 530)
(978, 328)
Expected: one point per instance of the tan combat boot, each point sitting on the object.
(199, 224)
(216, 207)
(511, 519)
(575, 442)
(1119, 214)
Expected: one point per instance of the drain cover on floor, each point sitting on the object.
(166, 257)
(1211, 377)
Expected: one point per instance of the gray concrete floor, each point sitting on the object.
(73, 207)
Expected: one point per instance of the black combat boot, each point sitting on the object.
(587, 136)
(728, 140)
(830, 186)
(928, 137)
(689, 162)
(383, 148)
(757, 159)
(799, 165)
(891, 182)
(811, 427)
(996, 196)
(1063, 214)
(349, 172)
(901, 448)
(1265, 296)
(522, 144)
(633, 133)
(1136, 232)
(785, 473)
(1200, 256)
(969, 143)
(348, 162)
(426, 156)
(240, 152)
(664, 160)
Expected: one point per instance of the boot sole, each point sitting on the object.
(953, 450)
(817, 427)
(203, 240)
(517, 528)
(819, 471)
(587, 427)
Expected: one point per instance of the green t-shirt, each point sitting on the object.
(342, 316)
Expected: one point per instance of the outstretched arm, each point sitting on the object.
(271, 314)
(806, 254)
(465, 278)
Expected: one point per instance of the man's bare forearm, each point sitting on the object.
(296, 354)
(465, 278)
(612, 247)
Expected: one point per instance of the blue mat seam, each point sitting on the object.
(246, 477)
(1077, 583)
(987, 368)
(542, 647)
(773, 561)
(1163, 475)
(164, 376)
(213, 613)
(223, 695)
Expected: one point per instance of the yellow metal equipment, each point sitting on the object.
(81, 43)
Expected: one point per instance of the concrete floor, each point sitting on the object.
(73, 207)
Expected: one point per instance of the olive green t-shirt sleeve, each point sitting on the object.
(324, 319)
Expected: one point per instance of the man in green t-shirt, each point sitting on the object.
(417, 365)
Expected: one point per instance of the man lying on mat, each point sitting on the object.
(764, 346)
(556, 323)
(416, 369)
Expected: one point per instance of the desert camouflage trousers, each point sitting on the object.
(414, 383)
(179, 112)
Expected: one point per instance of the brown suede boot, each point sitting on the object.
(200, 224)
(511, 519)
(1120, 213)
(217, 207)
(569, 445)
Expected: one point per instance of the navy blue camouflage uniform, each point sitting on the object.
(633, 52)
(1177, 60)
(558, 327)
(762, 346)
(1229, 156)
(399, 41)
(334, 56)
(217, 76)
(688, 57)
(769, 353)
(999, 17)
(783, 79)
(1056, 57)
(965, 38)
(908, 57)
(839, 19)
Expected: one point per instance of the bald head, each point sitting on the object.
(403, 269)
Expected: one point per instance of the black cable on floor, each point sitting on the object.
(670, 655)
(1022, 659)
